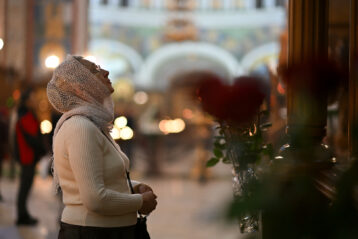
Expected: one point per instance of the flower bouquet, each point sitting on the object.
(236, 109)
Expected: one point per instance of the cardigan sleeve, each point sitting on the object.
(85, 152)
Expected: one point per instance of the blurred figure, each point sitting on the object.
(3, 141)
(148, 126)
(12, 141)
(203, 135)
(28, 151)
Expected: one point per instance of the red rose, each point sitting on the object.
(237, 103)
(214, 96)
(247, 95)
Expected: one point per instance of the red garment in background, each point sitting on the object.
(28, 124)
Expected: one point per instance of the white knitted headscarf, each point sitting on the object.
(75, 90)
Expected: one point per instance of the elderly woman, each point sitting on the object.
(89, 166)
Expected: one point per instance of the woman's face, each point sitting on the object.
(100, 73)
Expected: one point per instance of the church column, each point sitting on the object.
(304, 152)
(29, 18)
(2, 30)
(308, 38)
(80, 27)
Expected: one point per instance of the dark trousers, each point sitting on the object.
(26, 180)
(68, 231)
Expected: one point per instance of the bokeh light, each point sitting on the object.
(126, 133)
(187, 113)
(52, 61)
(46, 127)
(1, 43)
(162, 126)
(178, 125)
(140, 97)
(123, 88)
(16, 94)
(280, 89)
(120, 122)
(115, 134)
(172, 126)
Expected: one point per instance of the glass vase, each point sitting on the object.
(248, 223)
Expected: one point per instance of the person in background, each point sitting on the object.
(28, 151)
(12, 141)
(89, 167)
(3, 141)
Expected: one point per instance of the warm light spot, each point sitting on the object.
(172, 126)
(16, 94)
(123, 87)
(120, 122)
(187, 113)
(126, 133)
(115, 134)
(280, 89)
(46, 127)
(253, 131)
(140, 97)
(1, 43)
(162, 126)
(52, 61)
(179, 125)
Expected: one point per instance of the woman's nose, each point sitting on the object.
(105, 73)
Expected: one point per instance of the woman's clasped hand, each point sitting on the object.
(149, 198)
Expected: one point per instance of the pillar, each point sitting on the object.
(2, 30)
(80, 27)
(304, 154)
(308, 38)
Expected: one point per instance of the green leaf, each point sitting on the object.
(258, 141)
(268, 150)
(219, 146)
(218, 153)
(212, 162)
(217, 138)
(226, 160)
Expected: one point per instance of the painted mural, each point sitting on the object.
(146, 40)
(243, 34)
